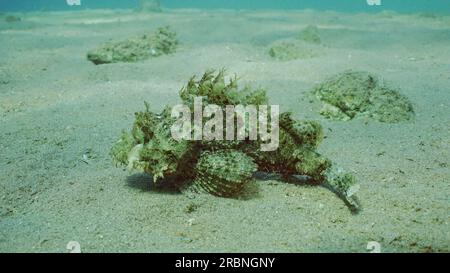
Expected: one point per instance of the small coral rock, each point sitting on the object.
(286, 50)
(311, 35)
(163, 41)
(353, 94)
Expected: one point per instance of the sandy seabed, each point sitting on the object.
(55, 107)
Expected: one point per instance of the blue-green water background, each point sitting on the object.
(438, 6)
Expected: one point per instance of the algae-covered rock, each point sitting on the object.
(428, 15)
(225, 167)
(286, 50)
(351, 94)
(305, 46)
(163, 41)
(388, 105)
(310, 34)
(12, 19)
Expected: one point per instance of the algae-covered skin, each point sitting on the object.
(290, 49)
(163, 41)
(356, 93)
(223, 167)
(303, 47)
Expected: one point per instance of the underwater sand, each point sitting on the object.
(55, 107)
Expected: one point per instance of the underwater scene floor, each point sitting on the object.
(60, 114)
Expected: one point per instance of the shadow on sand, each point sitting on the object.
(144, 182)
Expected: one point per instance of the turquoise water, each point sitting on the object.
(440, 6)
